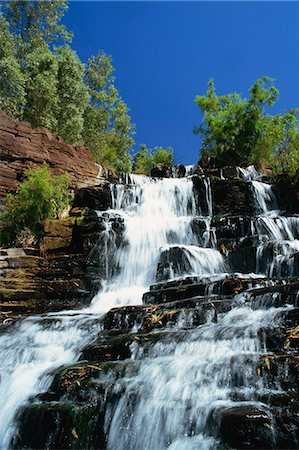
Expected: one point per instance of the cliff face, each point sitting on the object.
(22, 146)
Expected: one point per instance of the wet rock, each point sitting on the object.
(243, 259)
(231, 227)
(179, 171)
(173, 262)
(286, 188)
(275, 296)
(97, 197)
(60, 426)
(246, 427)
(192, 287)
(161, 171)
(231, 197)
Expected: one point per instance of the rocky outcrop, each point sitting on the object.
(74, 411)
(286, 188)
(230, 196)
(22, 146)
(67, 268)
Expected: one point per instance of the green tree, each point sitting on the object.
(235, 129)
(12, 80)
(284, 133)
(72, 95)
(163, 156)
(108, 130)
(143, 161)
(146, 159)
(42, 100)
(40, 197)
(36, 23)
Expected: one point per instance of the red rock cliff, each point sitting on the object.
(22, 146)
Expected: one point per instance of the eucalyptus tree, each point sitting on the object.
(108, 130)
(72, 95)
(12, 79)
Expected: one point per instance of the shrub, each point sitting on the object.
(41, 196)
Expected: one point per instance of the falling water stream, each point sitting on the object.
(178, 385)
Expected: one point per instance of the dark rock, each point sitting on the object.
(286, 188)
(246, 427)
(173, 262)
(231, 197)
(97, 197)
(161, 171)
(243, 259)
(195, 287)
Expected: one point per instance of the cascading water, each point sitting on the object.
(179, 386)
(278, 234)
(156, 213)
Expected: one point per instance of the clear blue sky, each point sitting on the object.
(165, 52)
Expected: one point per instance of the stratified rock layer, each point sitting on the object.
(22, 147)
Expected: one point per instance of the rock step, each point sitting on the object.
(227, 285)
(257, 426)
(73, 412)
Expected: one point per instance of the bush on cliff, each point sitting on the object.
(40, 197)
(237, 130)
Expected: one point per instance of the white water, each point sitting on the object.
(180, 384)
(156, 213)
(281, 234)
(249, 174)
(177, 385)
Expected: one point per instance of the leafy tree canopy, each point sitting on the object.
(36, 23)
(41, 87)
(238, 130)
(12, 80)
(50, 87)
(146, 159)
(108, 130)
(72, 95)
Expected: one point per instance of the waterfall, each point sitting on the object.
(156, 213)
(179, 385)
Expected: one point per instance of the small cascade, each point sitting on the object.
(180, 387)
(175, 351)
(264, 197)
(249, 174)
(278, 235)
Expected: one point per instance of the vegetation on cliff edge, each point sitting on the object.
(239, 131)
(41, 196)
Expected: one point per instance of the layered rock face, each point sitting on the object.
(193, 340)
(23, 146)
(65, 271)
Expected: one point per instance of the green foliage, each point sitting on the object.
(146, 159)
(162, 156)
(237, 130)
(40, 197)
(285, 153)
(72, 95)
(36, 23)
(53, 89)
(41, 87)
(108, 130)
(12, 80)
